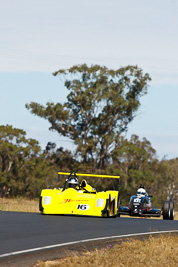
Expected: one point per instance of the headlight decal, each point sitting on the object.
(100, 202)
(47, 200)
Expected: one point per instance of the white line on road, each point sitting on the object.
(84, 241)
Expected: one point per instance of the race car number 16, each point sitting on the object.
(83, 207)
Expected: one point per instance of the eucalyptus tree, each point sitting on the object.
(100, 104)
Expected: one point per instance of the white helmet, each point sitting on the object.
(141, 192)
(73, 182)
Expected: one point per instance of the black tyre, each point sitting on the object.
(109, 207)
(108, 213)
(40, 204)
(166, 210)
(118, 205)
(171, 205)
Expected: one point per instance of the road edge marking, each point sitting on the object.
(83, 241)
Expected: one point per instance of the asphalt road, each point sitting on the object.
(22, 231)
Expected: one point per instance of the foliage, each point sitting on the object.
(135, 160)
(168, 183)
(23, 169)
(101, 103)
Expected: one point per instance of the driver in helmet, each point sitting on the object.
(73, 181)
(141, 192)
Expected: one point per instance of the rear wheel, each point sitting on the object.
(171, 205)
(166, 210)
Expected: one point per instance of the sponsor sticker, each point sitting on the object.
(72, 200)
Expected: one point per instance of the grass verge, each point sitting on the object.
(153, 251)
(26, 205)
(19, 204)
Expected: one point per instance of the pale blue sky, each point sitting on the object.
(39, 37)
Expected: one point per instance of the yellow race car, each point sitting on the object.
(79, 198)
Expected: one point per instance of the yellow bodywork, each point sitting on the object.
(85, 201)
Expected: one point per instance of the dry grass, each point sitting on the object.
(19, 204)
(26, 205)
(154, 251)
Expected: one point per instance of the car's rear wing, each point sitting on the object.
(89, 175)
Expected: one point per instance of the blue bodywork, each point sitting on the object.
(139, 206)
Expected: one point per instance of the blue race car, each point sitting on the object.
(140, 205)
